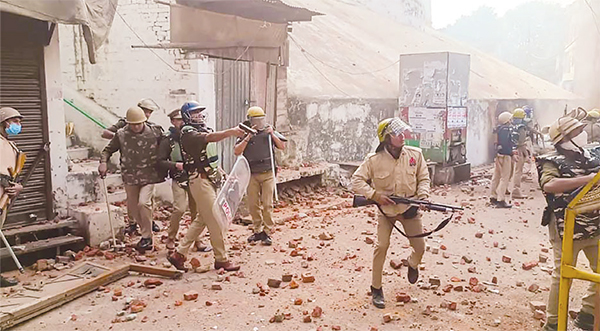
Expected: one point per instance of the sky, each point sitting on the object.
(445, 12)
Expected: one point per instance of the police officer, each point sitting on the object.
(171, 159)
(562, 172)
(200, 158)
(505, 149)
(138, 143)
(522, 150)
(256, 149)
(148, 106)
(10, 125)
(592, 127)
(399, 170)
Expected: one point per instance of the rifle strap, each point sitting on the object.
(421, 235)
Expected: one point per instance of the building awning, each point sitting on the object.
(95, 16)
(247, 30)
(273, 11)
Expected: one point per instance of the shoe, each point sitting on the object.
(255, 237)
(5, 282)
(503, 204)
(585, 321)
(378, 300)
(518, 195)
(413, 275)
(550, 327)
(227, 265)
(144, 244)
(177, 260)
(170, 244)
(155, 227)
(493, 201)
(266, 239)
(131, 229)
(200, 247)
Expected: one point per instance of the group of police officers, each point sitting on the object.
(187, 154)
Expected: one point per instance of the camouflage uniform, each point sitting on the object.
(139, 158)
(587, 229)
(122, 122)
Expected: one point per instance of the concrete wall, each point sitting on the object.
(334, 130)
(56, 123)
(124, 75)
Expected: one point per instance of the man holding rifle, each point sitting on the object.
(394, 170)
(10, 125)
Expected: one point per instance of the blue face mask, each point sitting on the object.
(13, 129)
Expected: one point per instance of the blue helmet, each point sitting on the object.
(189, 107)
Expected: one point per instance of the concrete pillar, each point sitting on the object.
(56, 123)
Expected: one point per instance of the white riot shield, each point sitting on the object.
(231, 193)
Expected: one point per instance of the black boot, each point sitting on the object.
(493, 201)
(255, 237)
(131, 229)
(413, 275)
(503, 204)
(266, 240)
(5, 282)
(378, 300)
(585, 321)
(155, 227)
(144, 244)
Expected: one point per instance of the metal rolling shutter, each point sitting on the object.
(22, 87)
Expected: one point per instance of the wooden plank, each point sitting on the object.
(39, 245)
(42, 305)
(174, 274)
(40, 227)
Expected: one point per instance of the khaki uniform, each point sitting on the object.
(260, 201)
(169, 155)
(204, 194)
(8, 159)
(589, 246)
(139, 171)
(406, 176)
(523, 156)
(593, 131)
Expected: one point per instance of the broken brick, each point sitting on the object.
(178, 303)
(208, 303)
(286, 278)
(479, 235)
(537, 305)
(308, 278)
(369, 240)
(275, 283)
(452, 305)
(387, 318)
(473, 281)
(530, 265)
(448, 288)
(294, 284)
(307, 319)
(395, 264)
(317, 312)
(190, 295)
(543, 258)
(137, 308)
(152, 282)
(539, 315)
(472, 270)
(533, 288)
(336, 327)
(298, 301)
(195, 263)
(496, 244)
(402, 297)
(494, 280)
(216, 286)
(506, 259)
(118, 292)
(92, 252)
(109, 256)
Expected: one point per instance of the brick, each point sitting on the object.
(274, 283)
(533, 288)
(530, 265)
(42, 265)
(369, 241)
(63, 259)
(473, 281)
(109, 256)
(448, 288)
(118, 292)
(216, 286)
(195, 263)
(190, 295)
(543, 258)
(152, 282)
(137, 308)
(298, 301)
(308, 278)
(452, 305)
(307, 319)
(479, 235)
(506, 259)
(472, 270)
(286, 278)
(494, 280)
(402, 297)
(317, 312)
(537, 305)
(395, 264)
(435, 281)
(92, 252)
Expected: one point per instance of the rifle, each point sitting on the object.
(360, 201)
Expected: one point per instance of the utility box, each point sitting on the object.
(433, 98)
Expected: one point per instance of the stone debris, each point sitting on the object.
(191, 295)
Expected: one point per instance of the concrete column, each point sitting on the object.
(56, 123)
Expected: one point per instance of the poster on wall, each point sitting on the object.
(424, 120)
(457, 118)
